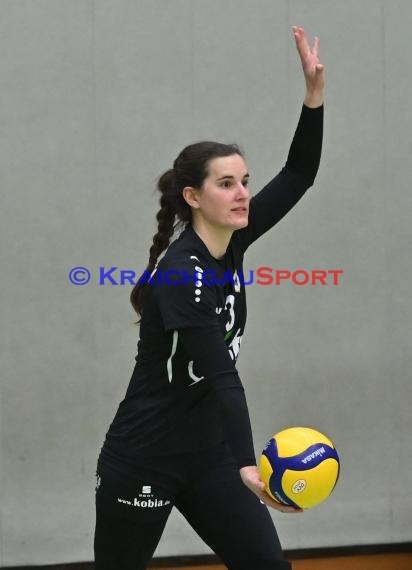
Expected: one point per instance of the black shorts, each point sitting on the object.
(206, 488)
(153, 490)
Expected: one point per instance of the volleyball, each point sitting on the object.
(299, 466)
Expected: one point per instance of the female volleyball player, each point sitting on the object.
(182, 437)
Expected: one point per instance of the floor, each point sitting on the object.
(401, 561)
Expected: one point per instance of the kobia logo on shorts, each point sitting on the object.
(145, 503)
(145, 500)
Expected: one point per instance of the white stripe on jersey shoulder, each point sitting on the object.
(154, 270)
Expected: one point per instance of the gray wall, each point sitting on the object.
(97, 98)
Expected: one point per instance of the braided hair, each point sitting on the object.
(189, 169)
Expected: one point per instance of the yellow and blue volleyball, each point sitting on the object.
(300, 467)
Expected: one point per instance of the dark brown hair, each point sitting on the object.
(189, 169)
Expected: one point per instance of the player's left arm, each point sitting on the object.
(273, 202)
(312, 68)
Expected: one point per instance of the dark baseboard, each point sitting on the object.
(355, 550)
(211, 560)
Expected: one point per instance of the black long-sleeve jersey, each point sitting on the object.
(185, 393)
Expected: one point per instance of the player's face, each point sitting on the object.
(224, 198)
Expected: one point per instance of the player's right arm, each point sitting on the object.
(206, 346)
(189, 309)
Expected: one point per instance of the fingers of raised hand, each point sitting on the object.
(315, 49)
(302, 44)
